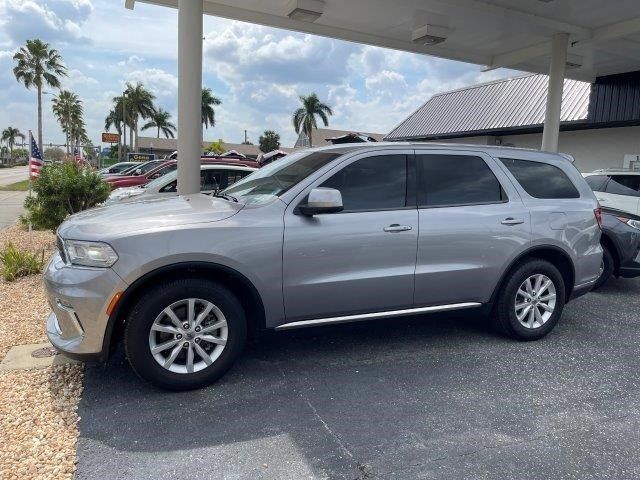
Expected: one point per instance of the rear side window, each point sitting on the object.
(541, 180)
(449, 180)
(597, 182)
(624, 185)
(372, 183)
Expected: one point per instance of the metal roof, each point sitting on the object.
(502, 104)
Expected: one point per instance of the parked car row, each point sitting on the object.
(324, 236)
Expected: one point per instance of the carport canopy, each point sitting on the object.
(579, 39)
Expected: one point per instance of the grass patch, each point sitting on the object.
(16, 263)
(22, 186)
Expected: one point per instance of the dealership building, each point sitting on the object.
(599, 122)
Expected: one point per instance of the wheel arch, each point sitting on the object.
(608, 242)
(555, 255)
(239, 285)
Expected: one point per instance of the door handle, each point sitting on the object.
(397, 228)
(512, 221)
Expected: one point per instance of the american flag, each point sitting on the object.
(35, 158)
(78, 156)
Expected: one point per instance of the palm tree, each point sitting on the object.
(304, 118)
(9, 136)
(38, 65)
(160, 119)
(208, 113)
(67, 108)
(139, 104)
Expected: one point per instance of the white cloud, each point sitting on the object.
(156, 80)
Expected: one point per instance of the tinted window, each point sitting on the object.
(541, 180)
(372, 183)
(456, 180)
(597, 182)
(624, 185)
(212, 179)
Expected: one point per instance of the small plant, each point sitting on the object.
(17, 263)
(62, 190)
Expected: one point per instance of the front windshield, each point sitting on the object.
(162, 181)
(278, 177)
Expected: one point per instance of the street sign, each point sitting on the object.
(140, 157)
(110, 137)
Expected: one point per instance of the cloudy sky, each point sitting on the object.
(257, 72)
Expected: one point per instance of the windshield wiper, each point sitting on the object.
(226, 196)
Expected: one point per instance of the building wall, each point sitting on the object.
(591, 149)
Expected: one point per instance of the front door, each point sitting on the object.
(361, 260)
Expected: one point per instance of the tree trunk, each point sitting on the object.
(40, 118)
(135, 123)
(310, 138)
(158, 132)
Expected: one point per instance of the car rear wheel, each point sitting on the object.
(606, 268)
(185, 334)
(531, 301)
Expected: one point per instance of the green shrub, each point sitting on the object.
(61, 190)
(19, 263)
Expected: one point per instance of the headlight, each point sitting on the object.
(630, 222)
(90, 254)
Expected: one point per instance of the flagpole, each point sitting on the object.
(30, 143)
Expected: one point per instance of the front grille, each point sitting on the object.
(61, 250)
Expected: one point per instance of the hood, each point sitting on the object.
(155, 213)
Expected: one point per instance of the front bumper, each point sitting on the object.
(79, 298)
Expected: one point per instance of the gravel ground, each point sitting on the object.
(38, 408)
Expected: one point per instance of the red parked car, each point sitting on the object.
(163, 169)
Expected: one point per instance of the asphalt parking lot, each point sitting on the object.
(412, 398)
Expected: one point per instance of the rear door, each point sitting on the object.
(472, 224)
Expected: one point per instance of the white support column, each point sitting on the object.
(557, 66)
(189, 95)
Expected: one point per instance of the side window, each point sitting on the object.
(210, 179)
(597, 182)
(541, 180)
(372, 183)
(624, 185)
(171, 187)
(448, 180)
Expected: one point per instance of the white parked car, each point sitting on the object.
(616, 189)
(212, 178)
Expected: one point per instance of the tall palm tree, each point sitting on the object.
(67, 108)
(139, 104)
(160, 119)
(304, 118)
(9, 135)
(39, 65)
(208, 113)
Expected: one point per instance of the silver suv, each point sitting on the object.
(330, 235)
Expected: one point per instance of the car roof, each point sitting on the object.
(225, 166)
(613, 171)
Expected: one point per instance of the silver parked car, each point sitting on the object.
(329, 235)
(213, 177)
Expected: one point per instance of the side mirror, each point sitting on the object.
(322, 200)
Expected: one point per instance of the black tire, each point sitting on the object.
(505, 319)
(147, 309)
(608, 266)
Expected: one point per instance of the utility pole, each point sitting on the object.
(121, 158)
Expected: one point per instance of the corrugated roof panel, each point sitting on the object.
(508, 103)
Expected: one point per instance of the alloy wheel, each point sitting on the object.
(188, 335)
(535, 301)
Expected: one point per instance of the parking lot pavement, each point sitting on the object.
(11, 207)
(413, 398)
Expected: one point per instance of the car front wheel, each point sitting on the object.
(185, 334)
(531, 301)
